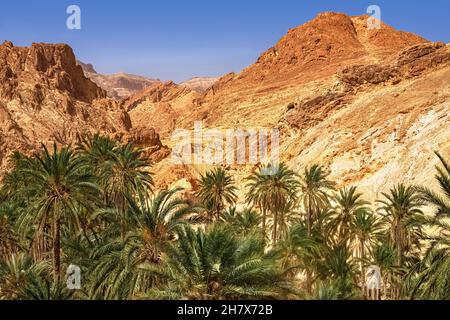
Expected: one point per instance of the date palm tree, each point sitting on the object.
(118, 271)
(315, 189)
(383, 256)
(97, 151)
(9, 242)
(315, 196)
(218, 264)
(365, 231)
(440, 202)
(217, 190)
(432, 273)
(60, 184)
(17, 273)
(244, 222)
(401, 210)
(123, 177)
(272, 189)
(338, 267)
(299, 251)
(348, 204)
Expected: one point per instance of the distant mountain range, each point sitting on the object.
(122, 85)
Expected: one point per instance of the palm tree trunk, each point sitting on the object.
(275, 227)
(264, 224)
(309, 226)
(308, 281)
(363, 274)
(57, 250)
(123, 218)
(399, 253)
(218, 212)
(309, 218)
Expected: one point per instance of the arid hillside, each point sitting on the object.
(46, 98)
(372, 105)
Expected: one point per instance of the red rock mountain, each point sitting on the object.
(45, 98)
(372, 105)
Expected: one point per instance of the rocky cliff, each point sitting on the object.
(45, 98)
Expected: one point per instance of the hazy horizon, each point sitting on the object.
(179, 40)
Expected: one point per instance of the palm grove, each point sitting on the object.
(94, 206)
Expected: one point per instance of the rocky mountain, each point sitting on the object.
(119, 85)
(200, 84)
(371, 105)
(162, 104)
(45, 98)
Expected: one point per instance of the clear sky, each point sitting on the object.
(178, 39)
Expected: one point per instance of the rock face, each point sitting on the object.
(148, 140)
(118, 86)
(161, 105)
(200, 84)
(45, 98)
(371, 105)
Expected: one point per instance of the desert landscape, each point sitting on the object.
(89, 179)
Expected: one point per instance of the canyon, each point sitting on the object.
(370, 105)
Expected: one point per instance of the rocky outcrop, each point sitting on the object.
(161, 106)
(148, 140)
(45, 98)
(25, 72)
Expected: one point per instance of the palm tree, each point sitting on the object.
(17, 273)
(119, 268)
(123, 177)
(216, 190)
(244, 222)
(365, 229)
(97, 151)
(430, 277)
(348, 204)
(159, 219)
(60, 184)
(383, 256)
(217, 264)
(9, 242)
(432, 273)
(442, 203)
(338, 267)
(273, 193)
(404, 218)
(315, 189)
(299, 251)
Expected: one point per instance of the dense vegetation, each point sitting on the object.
(94, 206)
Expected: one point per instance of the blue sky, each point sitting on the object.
(178, 39)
